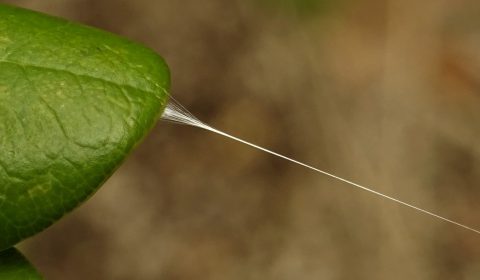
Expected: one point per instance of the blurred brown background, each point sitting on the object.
(386, 93)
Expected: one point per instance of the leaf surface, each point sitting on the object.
(14, 266)
(74, 102)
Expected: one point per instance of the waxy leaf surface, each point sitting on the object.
(74, 102)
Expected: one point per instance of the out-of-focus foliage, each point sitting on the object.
(301, 7)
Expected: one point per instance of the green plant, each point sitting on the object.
(74, 102)
(13, 266)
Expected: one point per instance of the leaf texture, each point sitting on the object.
(74, 102)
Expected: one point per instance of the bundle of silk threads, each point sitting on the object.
(174, 112)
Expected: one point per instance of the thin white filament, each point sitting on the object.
(176, 113)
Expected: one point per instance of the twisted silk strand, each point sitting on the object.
(176, 113)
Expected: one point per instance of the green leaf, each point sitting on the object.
(13, 266)
(74, 102)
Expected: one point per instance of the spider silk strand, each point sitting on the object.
(176, 113)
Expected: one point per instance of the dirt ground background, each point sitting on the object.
(386, 93)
